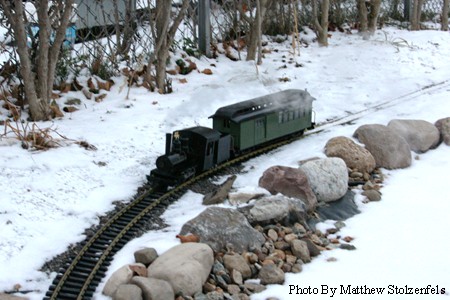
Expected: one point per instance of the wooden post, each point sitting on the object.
(204, 27)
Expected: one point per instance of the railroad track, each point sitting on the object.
(84, 272)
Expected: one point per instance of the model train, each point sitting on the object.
(237, 128)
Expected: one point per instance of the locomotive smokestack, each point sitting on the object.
(168, 143)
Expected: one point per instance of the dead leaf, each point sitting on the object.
(105, 85)
(56, 111)
(207, 71)
(100, 98)
(87, 93)
(76, 86)
(70, 109)
(90, 84)
(182, 80)
(172, 72)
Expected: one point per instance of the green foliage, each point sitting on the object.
(190, 47)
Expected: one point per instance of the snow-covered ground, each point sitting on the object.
(48, 198)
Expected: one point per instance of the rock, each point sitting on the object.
(289, 182)
(254, 287)
(339, 210)
(238, 263)
(128, 292)
(312, 248)
(354, 155)
(275, 209)
(145, 256)
(241, 198)
(272, 234)
(236, 276)
(443, 125)
(121, 276)
(420, 135)
(328, 178)
(372, 195)
(221, 193)
(219, 227)
(389, 149)
(271, 274)
(347, 247)
(154, 289)
(185, 267)
(300, 249)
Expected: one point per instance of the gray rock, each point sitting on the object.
(185, 267)
(271, 274)
(121, 276)
(238, 263)
(276, 209)
(389, 149)
(154, 289)
(372, 195)
(419, 134)
(241, 198)
(339, 210)
(219, 227)
(300, 249)
(145, 256)
(443, 125)
(289, 182)
(219, 195)
(328, 178)
(127, 292)
(354, 155)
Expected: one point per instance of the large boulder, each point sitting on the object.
(419, 134)
(328, 178)
(221, 227)
(276, 209)
(290, 182)
(443, 125)
(185, 267)
(153, 289)
(389, 149)
(354, 155)
(121, 276)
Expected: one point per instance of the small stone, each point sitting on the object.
(273, 235)
(297, 268)
(372, 195)
(271, 274)
(331, 259)
(347, 247)
(236, 277)
(290, 237)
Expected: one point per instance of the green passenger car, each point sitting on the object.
(265, 118)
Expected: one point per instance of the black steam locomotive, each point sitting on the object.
(236, 128)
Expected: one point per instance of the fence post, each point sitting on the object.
(204, 27)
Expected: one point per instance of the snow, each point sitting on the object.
(48, 198)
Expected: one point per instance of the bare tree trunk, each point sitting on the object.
(255, 23)
(164, 37)
(373, 15)
(444, 21)
(322, 25)
(362, 13)
(368, 16)
(38, 87)
(416, 13)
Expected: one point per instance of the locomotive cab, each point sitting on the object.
(189, 152)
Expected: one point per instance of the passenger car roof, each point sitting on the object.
(249, 109)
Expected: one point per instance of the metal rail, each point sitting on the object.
(80, 279)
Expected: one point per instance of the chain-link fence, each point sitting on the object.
(107, 35)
